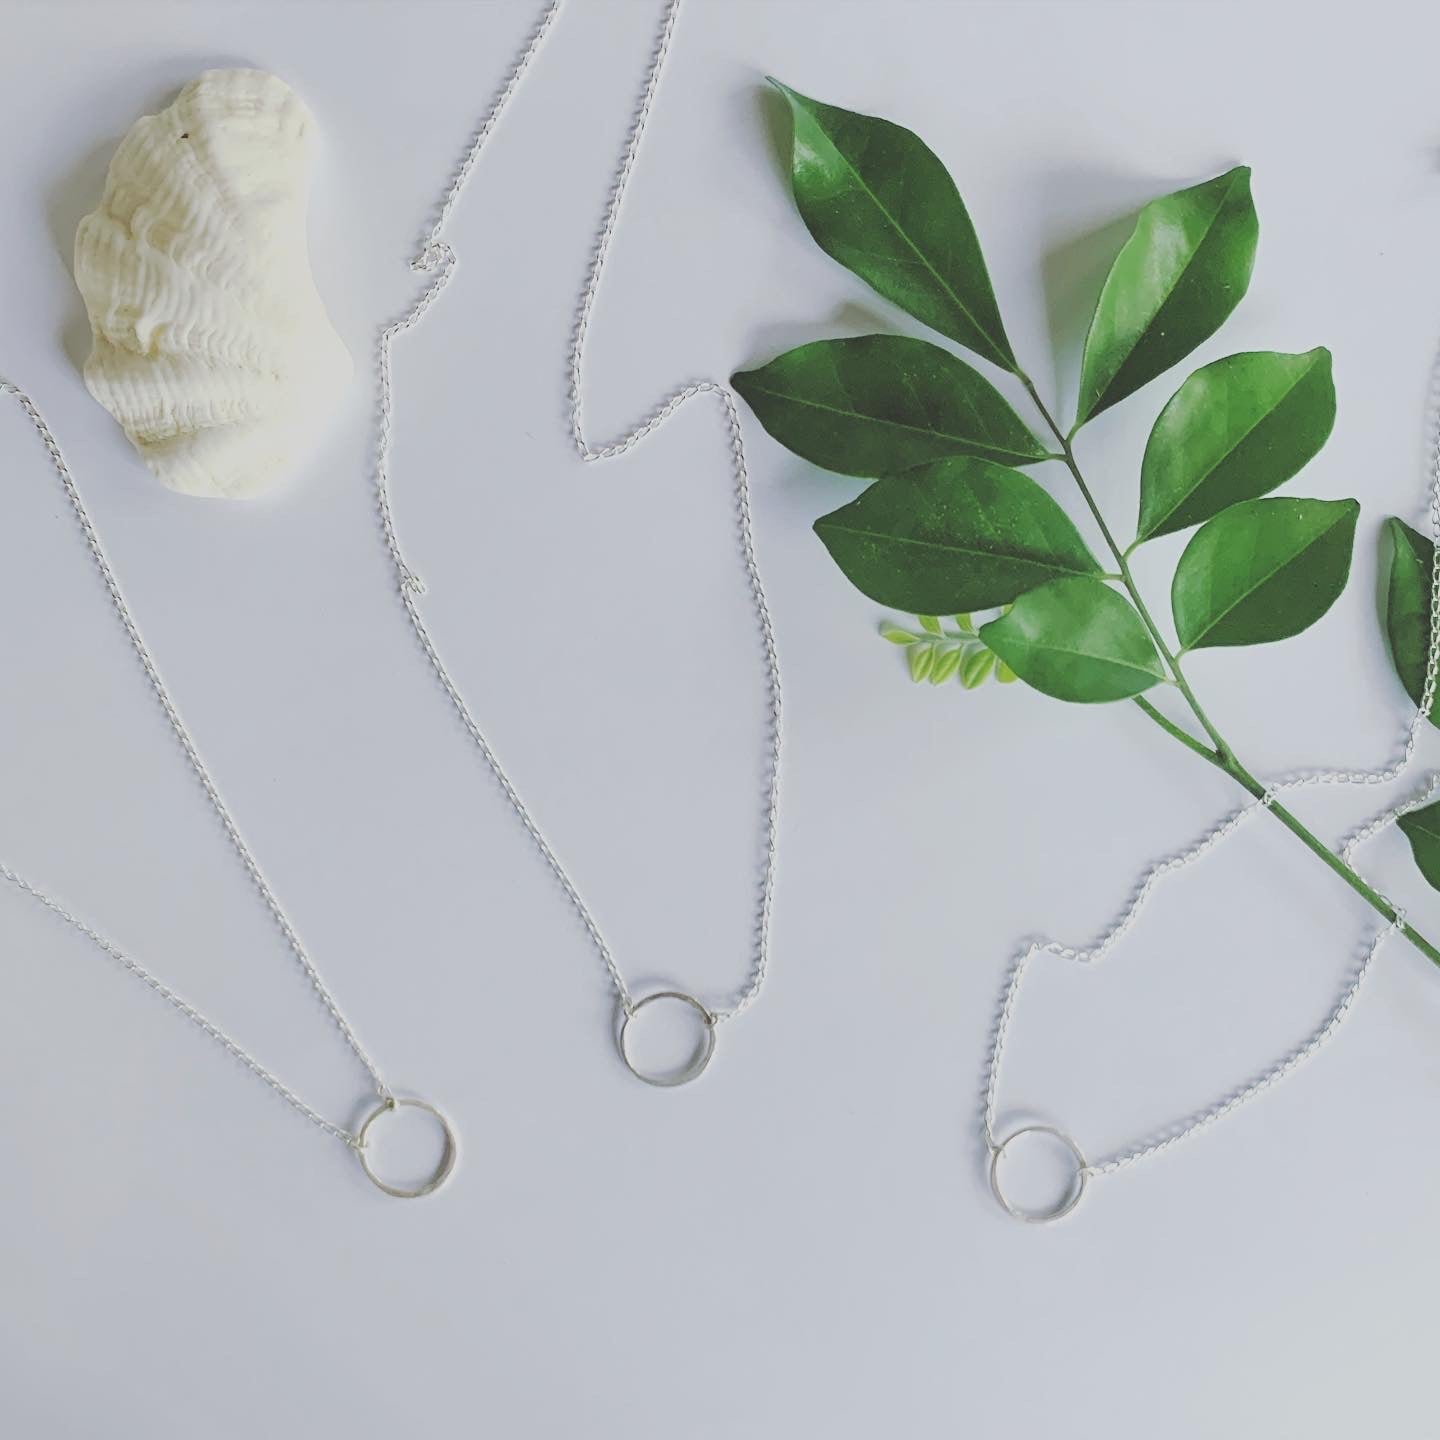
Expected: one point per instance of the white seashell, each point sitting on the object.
(212, 346)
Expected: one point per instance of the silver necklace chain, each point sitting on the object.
(1099, 948)
(222, 811)
(437, 259)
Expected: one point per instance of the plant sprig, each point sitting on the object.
(938, 654)
(952, 523)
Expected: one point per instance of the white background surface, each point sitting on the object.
(803, 1244)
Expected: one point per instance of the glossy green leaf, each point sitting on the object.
(1406, 606)
(930, 623)
(877, 199)
(1179, 275)
(1422, 830)
(1076, 639)
(1262, 570)
(876, 404)
(1235, 430)
(922, 657)
(956, 534)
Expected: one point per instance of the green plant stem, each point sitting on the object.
(1122, 561)
(1308, 838)
(1221, 756)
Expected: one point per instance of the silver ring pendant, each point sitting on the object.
(443, 1169)
(697, 1065)
(1071, 1198)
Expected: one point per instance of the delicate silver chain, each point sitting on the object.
(436, 258)
(222, 811)
(1111, 937)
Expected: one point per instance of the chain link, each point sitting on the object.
(1111, 937)
(437, 259)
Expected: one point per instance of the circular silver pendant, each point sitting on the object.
(696, 1065)
(1067, 1202)
(443, 1168)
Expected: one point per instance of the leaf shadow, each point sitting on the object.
(775, 125)
(847, 319)
(67, 202)
(1074, 269)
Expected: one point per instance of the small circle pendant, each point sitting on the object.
(444, 1166)
(693, 1068)
(1067, 1202)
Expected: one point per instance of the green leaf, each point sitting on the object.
(930, 623)
(1406, 606)
(876, 404)
(1422, 829)
(1235, 430)
(1004, 674)
(945, 666)
(1176, 279)
(1262, 570)
(1076, 639)
(962, 622)
(877, 199)
(895, 635)
(956, 534)
(976, 667)
(922, 657)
